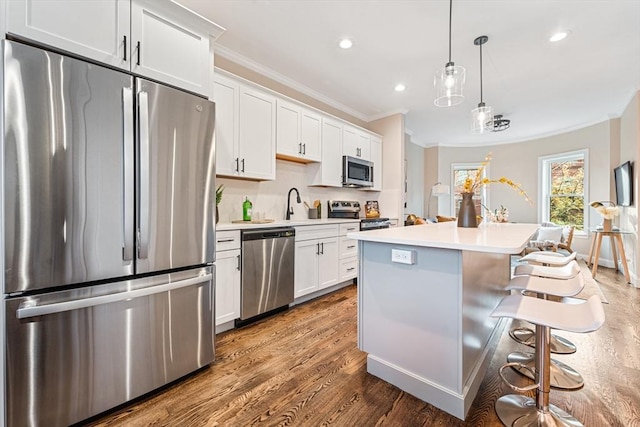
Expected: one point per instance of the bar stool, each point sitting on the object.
(526, 336)
(584, 317)
(562, 376)
(549, 258)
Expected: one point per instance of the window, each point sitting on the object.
(460, 172)
(563, 188)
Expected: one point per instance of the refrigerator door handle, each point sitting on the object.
(31, 309)
(143, 206)
(127, 208)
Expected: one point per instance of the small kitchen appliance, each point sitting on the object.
(351, 209)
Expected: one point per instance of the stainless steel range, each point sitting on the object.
(351, 209)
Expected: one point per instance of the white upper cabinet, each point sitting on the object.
(97, 30)
(169, 48)
(156, 39)
(298, 133)
(356, 143)
(245, 130)
(329, 171)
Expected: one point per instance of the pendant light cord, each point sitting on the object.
(481, 99)
(450, 18)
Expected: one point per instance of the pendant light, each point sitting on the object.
(481, 117)
(449, 81)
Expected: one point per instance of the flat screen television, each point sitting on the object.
(623, 175)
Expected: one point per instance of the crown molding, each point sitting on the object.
(280, 78)
(386, 114)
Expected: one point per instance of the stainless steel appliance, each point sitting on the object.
(108, 235)
(267, 271)
(351, 209)
(356, 172)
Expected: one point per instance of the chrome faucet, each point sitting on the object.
(289, 208)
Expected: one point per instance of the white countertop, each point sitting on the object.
(488, 237)
(283, 223)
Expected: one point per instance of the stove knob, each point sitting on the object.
(356, 205)
(335, 204)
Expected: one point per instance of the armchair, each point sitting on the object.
(551, 237)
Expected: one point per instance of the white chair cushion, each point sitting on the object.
(547, 286)
(553, 234)
(563, 272)
(549, 258)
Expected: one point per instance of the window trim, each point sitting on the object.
(543, 185)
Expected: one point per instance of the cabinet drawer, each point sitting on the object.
(349, 228)
(348, 247)
(309, 232)
(348, 268)
(228, 239)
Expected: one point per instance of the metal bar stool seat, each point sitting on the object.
(526, 336)
(553, 259)
(518, 410)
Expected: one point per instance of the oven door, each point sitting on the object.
(356, 172)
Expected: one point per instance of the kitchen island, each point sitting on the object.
(424, 297)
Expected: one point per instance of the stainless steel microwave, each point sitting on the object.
(356, 172)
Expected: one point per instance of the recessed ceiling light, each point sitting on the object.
(346, 43)
(400, 87)
(561, 35)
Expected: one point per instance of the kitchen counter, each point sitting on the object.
(284, 223)
(425, 294)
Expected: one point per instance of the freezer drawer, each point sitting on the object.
(74, 354)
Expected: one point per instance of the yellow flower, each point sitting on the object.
(471, 185)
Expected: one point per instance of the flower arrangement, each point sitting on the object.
(498, 215)
(607, 209)
(472, 185)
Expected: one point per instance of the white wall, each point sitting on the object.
(414, 156)
(629, 149)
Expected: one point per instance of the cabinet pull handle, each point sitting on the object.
(351, 269)
(237, 164)
(300, 148)
(243, 165)
(351, 247)
(304, 148)
(124, 58)
(225, 240)
(138, 49)
(322, 248)
(317, 248)
(238, 266)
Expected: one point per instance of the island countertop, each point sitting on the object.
(505, 238)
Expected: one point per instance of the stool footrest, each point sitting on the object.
(511, 386)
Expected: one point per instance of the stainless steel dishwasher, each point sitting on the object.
(267, 271)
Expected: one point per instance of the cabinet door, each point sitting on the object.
(376, 158)
(98, 30)
(306, 270)
(225, 95)
(350, 141)
(328, 263)
(364, 145)
(310, 134)
(227, 286)
(329, 171)
(257, 134)
(288, 141)
(167, 49)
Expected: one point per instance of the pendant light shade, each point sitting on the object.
(449, 81)
(481, 117)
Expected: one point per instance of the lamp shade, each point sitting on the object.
(481, 119)
(440, 190)
(449, 83)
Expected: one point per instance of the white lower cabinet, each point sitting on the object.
(317, 256)
(348, 252)
(227, 297)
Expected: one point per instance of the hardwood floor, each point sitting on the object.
(302, 368)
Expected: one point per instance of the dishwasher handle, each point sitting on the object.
(31, 309)
(268, 233)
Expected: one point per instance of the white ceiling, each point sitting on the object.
(544, 88)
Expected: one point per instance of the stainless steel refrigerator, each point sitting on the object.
(108, 236)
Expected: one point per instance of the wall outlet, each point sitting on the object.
(403, 256)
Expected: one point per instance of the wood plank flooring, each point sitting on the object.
(302, 368)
